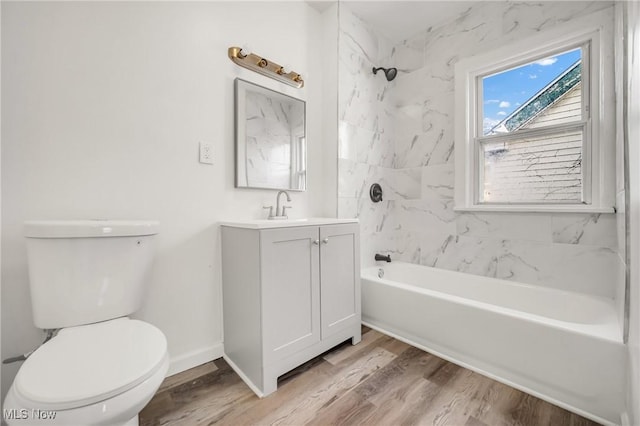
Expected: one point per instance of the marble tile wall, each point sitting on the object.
(366, 148)
(406, 142)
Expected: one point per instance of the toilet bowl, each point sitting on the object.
(97, 374)
(101, 368)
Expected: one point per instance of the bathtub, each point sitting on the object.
(563, 347)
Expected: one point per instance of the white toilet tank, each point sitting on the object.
(85, 271)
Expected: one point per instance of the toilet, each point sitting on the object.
(101, 367)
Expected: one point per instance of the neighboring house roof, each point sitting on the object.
(541, 101)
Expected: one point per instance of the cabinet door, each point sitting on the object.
(290, 290)
(340, 277)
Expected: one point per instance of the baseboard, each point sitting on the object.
(195, 358)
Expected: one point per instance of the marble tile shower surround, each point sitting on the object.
(366, 130)
(400, 134)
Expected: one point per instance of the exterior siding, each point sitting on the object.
(543, 168)
(566, 109)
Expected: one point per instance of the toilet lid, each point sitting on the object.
(90, 363)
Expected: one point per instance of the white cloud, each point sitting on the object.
(488, 124)
(491, 101)
(505, 104)
(532, 76)
(502, 113)
(547, 61)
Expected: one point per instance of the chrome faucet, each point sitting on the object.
(280, 212)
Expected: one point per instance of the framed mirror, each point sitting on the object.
(271, 146)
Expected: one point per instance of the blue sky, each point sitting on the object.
(503, 93)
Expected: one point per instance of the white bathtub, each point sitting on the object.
(561, 346)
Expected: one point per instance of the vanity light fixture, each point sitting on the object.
(265, 67)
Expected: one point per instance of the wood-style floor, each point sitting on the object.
(380, 381)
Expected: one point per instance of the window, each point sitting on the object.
(534, 128)
(534, 154)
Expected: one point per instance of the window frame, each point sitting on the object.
(598, 106)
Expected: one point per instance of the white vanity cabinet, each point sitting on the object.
(291, 291)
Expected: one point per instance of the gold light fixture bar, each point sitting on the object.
(265, 67)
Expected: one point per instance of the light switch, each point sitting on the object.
(206, 153)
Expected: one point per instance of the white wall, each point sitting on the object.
(330, 109)
(108, 104)
(633, 136)
(0, 203)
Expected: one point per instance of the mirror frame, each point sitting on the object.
(240, 87)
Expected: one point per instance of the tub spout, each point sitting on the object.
(380, 257)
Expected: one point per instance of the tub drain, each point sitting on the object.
(380, 273)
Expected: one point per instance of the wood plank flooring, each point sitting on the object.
(380, 381)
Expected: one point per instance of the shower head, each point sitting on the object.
(390, 73)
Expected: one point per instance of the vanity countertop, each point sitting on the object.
(286, 223)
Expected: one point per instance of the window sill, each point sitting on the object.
(559, 208)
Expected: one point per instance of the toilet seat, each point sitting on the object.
(86, 364)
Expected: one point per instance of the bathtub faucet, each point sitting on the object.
(380, 257)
